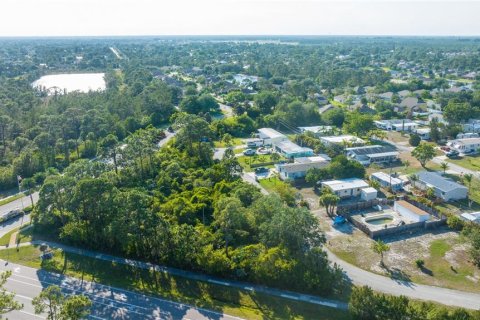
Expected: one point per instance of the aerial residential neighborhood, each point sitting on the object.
(240, 159)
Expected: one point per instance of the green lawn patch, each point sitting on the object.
(231, 301)
(438, 248)
(468, 162)
(25, 235)
(247, 161)
(270, 183)
(234, 142)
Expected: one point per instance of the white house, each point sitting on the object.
(271, 136)
(444, 188)
(342, 140)
(317, 130)
(423, 133)
(473, 125)
(367, 155)
(346, 188)
(397, 125)
(292, 150)
(466, 145)
(471, 217)
(410, 212)
(387, 180)
(298, 169)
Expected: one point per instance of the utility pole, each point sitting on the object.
(19, 180)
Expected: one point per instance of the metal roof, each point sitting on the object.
(345, 184)
(437, 181)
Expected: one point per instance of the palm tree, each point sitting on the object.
(468, 180)
(413, 178)
(406, 164)
(444, 166)
(275, 157)
(380, 247)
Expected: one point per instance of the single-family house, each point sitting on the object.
(367, 155)
(473, 125)
(465, 145)
(325, 108)
(444, 188)
(292, 150)
(346, 188)
(387, 181)
(271, 136)
(423, 133)
(471, 217)
(404, 125)
(387, 96)
(410, 212)
(300, 166)
(409, 103)
(342, 140)
(404, 93)
(317, 130)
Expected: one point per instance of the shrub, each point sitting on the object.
(420, 263)
(414, 140)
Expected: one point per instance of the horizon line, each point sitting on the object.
(242, 35)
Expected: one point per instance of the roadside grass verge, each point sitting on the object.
(244, 304)
(11, 198)
(468, 162)
(24, 235)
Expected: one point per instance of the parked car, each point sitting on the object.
(445, 148)
(249, 152)
(255, 143)
(452, 154)
(261, 170)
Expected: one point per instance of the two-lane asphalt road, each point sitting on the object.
(108, 302)
(18, 204)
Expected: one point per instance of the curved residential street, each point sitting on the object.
(412, 290)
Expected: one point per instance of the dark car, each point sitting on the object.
(261, 170)
(452, 154)
(249, 152)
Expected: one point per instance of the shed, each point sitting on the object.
(411, 212)
(368, 194)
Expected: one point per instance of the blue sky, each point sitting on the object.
(224, 17)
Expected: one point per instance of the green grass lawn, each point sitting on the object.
(10, 199)
(25, 235)
(246, 161)
(270, 183)
(231, 301)
(468, 162)
(451, 276)
(234, 142)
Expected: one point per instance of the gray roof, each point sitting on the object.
(288, 146)
(409, 102)
(437, 181)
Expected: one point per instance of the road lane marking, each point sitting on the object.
(32, 314)
(113, 303)
(113, 289)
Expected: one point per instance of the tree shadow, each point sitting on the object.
(399, 276)
(426, 271)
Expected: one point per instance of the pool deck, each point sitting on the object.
(397, 219)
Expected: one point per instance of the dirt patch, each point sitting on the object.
(445, 256)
